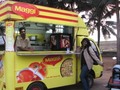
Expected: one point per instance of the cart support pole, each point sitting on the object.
(9, 56)
(118, 31)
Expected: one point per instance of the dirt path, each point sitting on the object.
(102, 82)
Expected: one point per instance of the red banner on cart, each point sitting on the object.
(25, 10)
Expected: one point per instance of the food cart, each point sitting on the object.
(44, 67)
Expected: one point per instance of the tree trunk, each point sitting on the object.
(98, 28)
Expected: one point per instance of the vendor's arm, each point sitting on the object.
(25, 48)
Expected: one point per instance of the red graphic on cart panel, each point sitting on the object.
(35, 71)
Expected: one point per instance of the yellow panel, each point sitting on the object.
(83, 31)
(3, 17)
(58, 16)
(6, 9)
(44, 20)
(9, 70)
(16, 17)
(55, 10)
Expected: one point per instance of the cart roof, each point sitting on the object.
(20, 11)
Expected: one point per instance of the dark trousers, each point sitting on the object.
(83, 77)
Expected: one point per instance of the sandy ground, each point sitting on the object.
(100, 84)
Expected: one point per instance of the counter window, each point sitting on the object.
(60, 41)
(45, 37)
(2, 39)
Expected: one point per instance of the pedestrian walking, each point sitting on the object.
(87, 61)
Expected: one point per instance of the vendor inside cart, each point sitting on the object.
(22, 43)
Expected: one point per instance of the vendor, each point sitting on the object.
(22, 43)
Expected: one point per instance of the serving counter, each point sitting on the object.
(33, 53)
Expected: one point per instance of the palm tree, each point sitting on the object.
(104, 9)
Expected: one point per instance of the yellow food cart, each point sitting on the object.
(44, 67)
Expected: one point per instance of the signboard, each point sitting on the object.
(25, 10)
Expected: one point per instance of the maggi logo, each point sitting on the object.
(52, 60)
(25, 10)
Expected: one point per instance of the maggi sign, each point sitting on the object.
(25, 10)
(52, 59)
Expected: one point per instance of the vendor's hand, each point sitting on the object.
(28, 49)
(31, 49)
(102, 64)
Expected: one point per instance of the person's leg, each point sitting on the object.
(83, 77)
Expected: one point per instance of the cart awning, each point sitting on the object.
(20, 11)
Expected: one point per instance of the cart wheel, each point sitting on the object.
(90, 80)
(36, 86)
